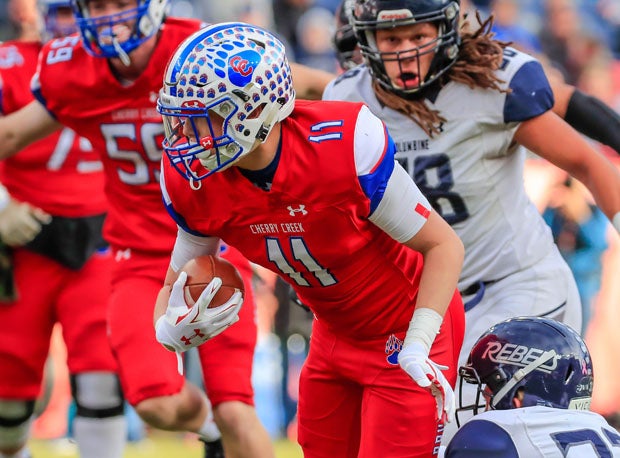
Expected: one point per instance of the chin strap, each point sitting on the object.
(520, 374)
(123, 56)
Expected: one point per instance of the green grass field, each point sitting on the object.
(156, 445)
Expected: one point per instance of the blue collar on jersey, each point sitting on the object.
(264, 177)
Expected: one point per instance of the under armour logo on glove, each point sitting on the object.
(188, 340)
(183, 327)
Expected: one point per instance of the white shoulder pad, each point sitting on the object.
(370, 141)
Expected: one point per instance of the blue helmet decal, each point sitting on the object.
(241, 67)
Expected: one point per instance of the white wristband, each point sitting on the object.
(423, 327)
(5, 198)
(616, 222)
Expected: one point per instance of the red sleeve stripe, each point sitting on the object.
(385, 147)
(422, 210)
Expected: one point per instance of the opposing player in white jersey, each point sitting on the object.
(586, 113)
(459, 105)
(536, 377)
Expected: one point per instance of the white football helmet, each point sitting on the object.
(232, 77)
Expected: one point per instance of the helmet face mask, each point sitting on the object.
(116, 35)
(224, 89)
(372, 15)
(199, 133)
(537, 361)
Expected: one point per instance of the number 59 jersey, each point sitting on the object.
(472, 172)
(124, 127)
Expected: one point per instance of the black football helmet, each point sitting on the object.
(543, 359)
(370, 15)
(344, 39)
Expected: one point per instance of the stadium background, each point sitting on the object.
(578, 39)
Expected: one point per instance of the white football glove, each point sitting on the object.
(414, 360)
(183, 327)
(21, 222)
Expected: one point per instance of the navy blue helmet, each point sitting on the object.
(539, 360)
(371, 15)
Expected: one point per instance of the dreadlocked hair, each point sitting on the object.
(479, 56)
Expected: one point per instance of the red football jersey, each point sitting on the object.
(123, 124)
(312, 227)
(61, 173)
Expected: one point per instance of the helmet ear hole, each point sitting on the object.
(256, 112)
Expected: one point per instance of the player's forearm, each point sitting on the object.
(439, 279)
(9, 145)
(25, 126)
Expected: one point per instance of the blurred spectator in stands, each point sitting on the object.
(569, 39)
(286, 17)
(508, 26)
(314, 33)
(610, 11)
(257, 12)
(579, 229)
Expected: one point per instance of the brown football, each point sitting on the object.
(201, 270)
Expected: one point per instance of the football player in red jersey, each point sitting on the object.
(311, 191)
(52, 216)
(104, 84)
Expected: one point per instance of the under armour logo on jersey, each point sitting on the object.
(121, 255)
(293, 211)
(393, 346)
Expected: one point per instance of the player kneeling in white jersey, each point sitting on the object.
(536, 377)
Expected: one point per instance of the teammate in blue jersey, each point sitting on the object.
(459, 106)
(536, 377)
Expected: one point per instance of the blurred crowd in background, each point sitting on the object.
(579, 41)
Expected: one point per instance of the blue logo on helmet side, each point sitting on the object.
(241, 67)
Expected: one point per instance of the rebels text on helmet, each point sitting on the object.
(517, 355)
